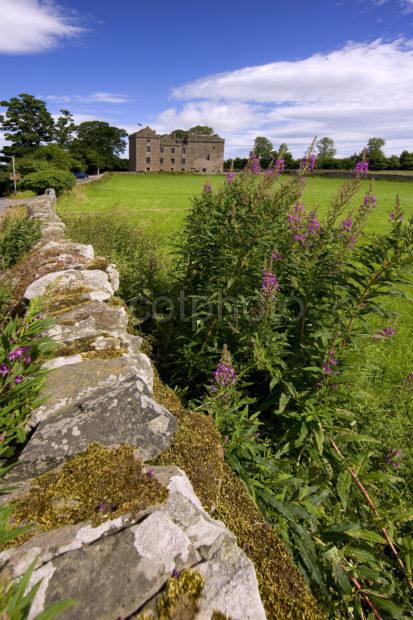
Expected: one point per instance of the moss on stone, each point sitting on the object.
(59, 301)
(99, 262)
(105, 354)
(179, 599)
(196, 448)
(80, 345)
(283, 590)
(98, 484)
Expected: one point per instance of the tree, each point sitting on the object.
(393, 162)
(50, 155)
(201, 129)
(285, 153)
(375, 154)
(26, 124)
(406, 160)
(263, 148)
(64, 129)
(326, 149)
(101, 139)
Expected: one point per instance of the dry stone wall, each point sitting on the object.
(100, 390)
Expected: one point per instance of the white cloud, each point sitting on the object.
(28, 26)
(101, 97)
(351, 94)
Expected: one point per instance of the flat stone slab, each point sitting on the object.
(92, 279)
(120, 415)
(70, 385)
(121, 566)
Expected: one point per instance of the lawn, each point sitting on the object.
(159, 202)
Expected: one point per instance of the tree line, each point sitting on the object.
(41, 145)
(326, 156)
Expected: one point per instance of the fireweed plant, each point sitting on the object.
(24, 346)
(277, 304)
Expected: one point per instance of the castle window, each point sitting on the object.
(172, 168)
(161, 160)
(148, 149)
(172, 160)
(208, 156)
(162, 149)
(148, 169)
(183, 161)
(203, 169)
(148, 160)
(148, 140)
(184, 150)
(172, 149)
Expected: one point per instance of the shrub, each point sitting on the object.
(291, 296)
(18, 234)
(23, 349)
(38, 182)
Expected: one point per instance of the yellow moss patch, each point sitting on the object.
(99, 262)
(105, 354)
(196, 448)
(179, 600)
(57, 301)
(282, 588)
(98, 484)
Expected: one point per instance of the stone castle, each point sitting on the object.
(195, 152)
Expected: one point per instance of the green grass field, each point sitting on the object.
(159, 203)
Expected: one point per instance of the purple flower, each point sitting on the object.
(277, 256)
(351, 241)
(388, 332)
(254, 164)
(309, 161)
(329, 363)
(300, 237)
(15, 354)
(4, 370)
(230, 176)
(361, 169)
(176, 573)
(396, 216)
(18, 379)
(150, 473)
(347, 224)
(224, 375)
(27, 360)
(410, 376)
(103, 507)
(279, 166)
(270, 283)
(207, 188)
(392, 457)
(313, 225)
(269, 172)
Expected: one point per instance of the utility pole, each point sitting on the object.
(14, 175)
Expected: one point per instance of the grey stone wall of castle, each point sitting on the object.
(151, 152)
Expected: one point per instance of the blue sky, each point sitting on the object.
(288, 70)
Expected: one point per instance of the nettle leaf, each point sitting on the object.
(284, 400)
(319, 437)
(367, 535)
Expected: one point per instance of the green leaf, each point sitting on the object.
(343, 487)
(56, 609)
(284, 400)
(366, 535)
(319, 437)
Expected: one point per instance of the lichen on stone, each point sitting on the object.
(98, 484)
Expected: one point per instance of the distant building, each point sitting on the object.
(196, 152)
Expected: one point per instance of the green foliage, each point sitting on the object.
(325, 148)
(64, 129)
(263, 149)
(292, 296)
(26, 124)
(137, 254)
(45, 157)
(18, 234)
(375, 154)
(48, 177)
(97, 142)
(23, 349)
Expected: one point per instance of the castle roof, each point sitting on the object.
(171, 140)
